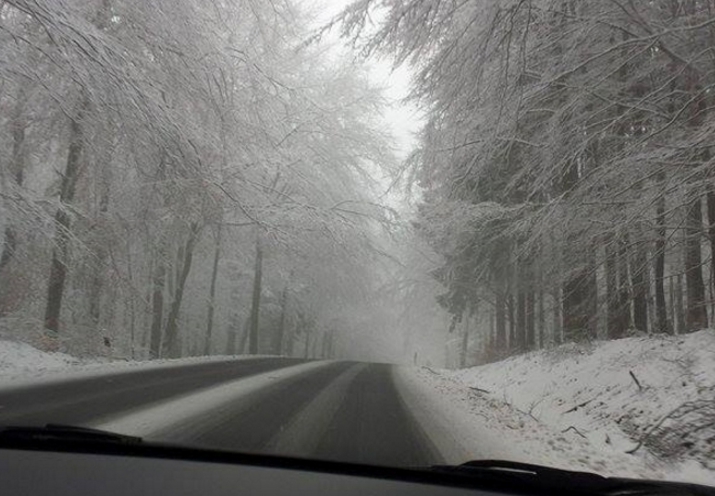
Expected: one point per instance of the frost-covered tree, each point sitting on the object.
(566, 160)
(150, 147)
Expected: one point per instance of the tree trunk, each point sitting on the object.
(231, 342)
(696, 316)
(613, 325)
(711, 235)
(578, 298)
(157, 304)
(558, 329)
(623, 297)
(100, 259)
(242, 346)
(500, 324)
(639, 283)
(519, 344)
(171, 346)
(212, 292)
(60, 252)
(256, 298)
(511, 345)
(17, 169)
(465, 340)
(530, 321)
(280, 335)
(661, 324)
(679, 308)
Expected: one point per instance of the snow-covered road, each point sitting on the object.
(331, 410)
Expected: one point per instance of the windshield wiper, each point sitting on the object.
(541, 478)
(62, 433)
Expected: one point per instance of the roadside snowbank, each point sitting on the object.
(584, 406)
(22, 365)
(18, 358)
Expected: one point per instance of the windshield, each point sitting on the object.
(401, 233)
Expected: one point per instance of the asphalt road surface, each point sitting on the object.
(334, 410)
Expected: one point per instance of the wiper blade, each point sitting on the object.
(526, 474)
(540, 478)
(62, 433)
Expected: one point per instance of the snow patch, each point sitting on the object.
(18, 359)
(579, 406)
(182, 412)
(22, 365)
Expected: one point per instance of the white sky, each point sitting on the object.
(404, 119)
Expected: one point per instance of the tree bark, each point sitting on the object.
(256, 299)
(157, 306)
(661, 324)
(465, 339)
(280, 335)
(696, 315)
(678, 299)
(519, 344)
(623, 295)
(60, 252)
(639, 283)
(711, 236)
(171, 347)
(212, 292)
(500, 324)
(100, 259)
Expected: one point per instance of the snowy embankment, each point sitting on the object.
(23, 365)
(582, 407)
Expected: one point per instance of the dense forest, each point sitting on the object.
(188, 177)
(184, 178)
(565, 167)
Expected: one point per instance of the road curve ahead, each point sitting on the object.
(342, 411)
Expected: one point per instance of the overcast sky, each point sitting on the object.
(403, 119)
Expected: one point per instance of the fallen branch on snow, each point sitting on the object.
(635, 379)
(580, 405)
(571, 427)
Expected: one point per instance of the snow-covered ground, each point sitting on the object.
(582, 407)
(20, 359)
(22, 365)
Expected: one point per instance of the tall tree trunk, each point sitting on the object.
(231, 342)
(17, 170)
(212, 292)
(243, 345)
(679, 308)
(464, 351)
(500, 323)
(519, 344)
(157, 305)
(171, 346)
(578, 305)
(639, 283)
(711, 235)
(306, 347)
(510, 303)
(661, 324)
(530, 320)
(696, 316)
(624, 299)
(613, 325)
(280, 335)
(60, 252)
(256, 298)
(100, 259)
